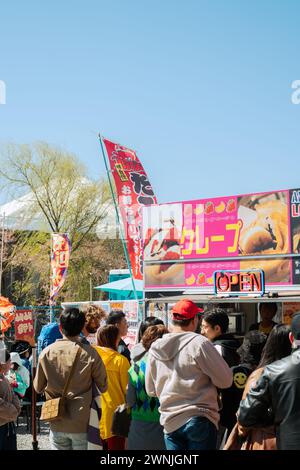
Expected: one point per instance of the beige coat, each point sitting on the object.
(9, 403)
(53, 369)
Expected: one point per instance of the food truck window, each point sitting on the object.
(235, 314)
(277, 318)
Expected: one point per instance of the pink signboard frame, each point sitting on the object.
(186, 242)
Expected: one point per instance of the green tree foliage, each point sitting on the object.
(27, 268)
(68, 201)
(91, 264)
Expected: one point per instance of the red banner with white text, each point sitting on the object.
(24, 326)
(134, 191)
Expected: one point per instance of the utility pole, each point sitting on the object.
(91, 288)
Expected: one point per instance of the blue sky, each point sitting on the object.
(201, 89)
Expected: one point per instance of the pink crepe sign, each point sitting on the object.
(186, 242)
(211, 229)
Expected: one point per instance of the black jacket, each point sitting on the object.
(123, 349)
(275, 400)
(231, 397)
(229, 345)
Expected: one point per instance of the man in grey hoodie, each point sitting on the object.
(184, 371)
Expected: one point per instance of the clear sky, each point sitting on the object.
(201, 89)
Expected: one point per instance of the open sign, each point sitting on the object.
(239, 282)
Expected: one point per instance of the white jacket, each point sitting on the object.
(22, 371)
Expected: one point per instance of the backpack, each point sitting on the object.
(48, 335)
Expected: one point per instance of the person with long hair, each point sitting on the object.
(117, 376)
(275, 397)
(250, 353)
(138, 350)
(146, 433)
(118, 318)
(277, 347)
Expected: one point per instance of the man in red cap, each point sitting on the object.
(184, 371)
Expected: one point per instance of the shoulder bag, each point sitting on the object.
(53, 409)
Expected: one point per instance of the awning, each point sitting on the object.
(124, 287)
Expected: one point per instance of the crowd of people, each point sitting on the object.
(193, 386)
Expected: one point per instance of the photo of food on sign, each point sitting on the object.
(296, 239)
(295, 220)
(288, 311)
(130, 338)
(296, 242)
(161, 235)
(265, 231)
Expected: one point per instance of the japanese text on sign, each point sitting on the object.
(196, 246)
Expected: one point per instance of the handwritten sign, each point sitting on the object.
(24, 326)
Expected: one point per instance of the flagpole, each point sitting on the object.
(119, 221)
(50, 300)
(35, 444)
(2, 249)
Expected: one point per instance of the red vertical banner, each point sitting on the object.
(60, 257)
(24, 326)
(134, 191)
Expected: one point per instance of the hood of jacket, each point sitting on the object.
(229, 345)
(166, 348)
(138, 351)
(15, 357)
(227, 341)
(107, 354)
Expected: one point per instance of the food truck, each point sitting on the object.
(234, 251)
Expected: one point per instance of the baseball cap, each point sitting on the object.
(185, 309)
(20, 347)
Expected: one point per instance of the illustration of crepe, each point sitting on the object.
(163, 245)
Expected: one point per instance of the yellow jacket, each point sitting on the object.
(117, 376)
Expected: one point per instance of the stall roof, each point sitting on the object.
(123, 286)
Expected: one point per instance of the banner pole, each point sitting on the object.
(119, 221)
(2, 249)
(35, 444)
(50, 300)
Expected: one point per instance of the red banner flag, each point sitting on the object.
(60, 256)
(134, 191)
